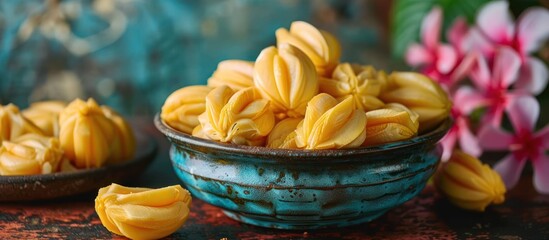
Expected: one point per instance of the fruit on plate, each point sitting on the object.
(45, 115)
(30, 154)
(13, 124)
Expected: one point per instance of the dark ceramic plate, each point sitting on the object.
(56, 185)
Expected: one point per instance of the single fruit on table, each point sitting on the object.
(143, 213)
(468, 183)
(286, 77)
(241, 117)
(320, 46)
(236, 74)
(30, 154)
(182, 108)
(331, 125)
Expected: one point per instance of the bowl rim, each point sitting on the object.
(432, 137)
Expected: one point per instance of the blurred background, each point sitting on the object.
(131, 54)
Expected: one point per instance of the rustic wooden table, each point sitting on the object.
(524, 215)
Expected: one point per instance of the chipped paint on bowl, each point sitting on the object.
(304, 189)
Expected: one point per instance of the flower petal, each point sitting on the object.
(467, 99)
(541, 174)
(532, 29)
(506, 66)
(430, 28)
(493, 138)
(448, 143)
(496, 22)
(543, 134)
(533, 76)
(510, 169)
(447, 58)
(467, 141)
(523, 113)
(480, 73)
(494, 115)
(477, 41)
(417, 55)
(457, 33)
(463, 68)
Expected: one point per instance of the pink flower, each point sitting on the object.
(465, 101)
(493, 82)
(496, 28)
(442, 62)
(523, 144)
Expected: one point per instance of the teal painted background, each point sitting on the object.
(131, 54)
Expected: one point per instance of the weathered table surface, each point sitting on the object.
(524, 215)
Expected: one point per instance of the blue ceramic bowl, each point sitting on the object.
(297, 189)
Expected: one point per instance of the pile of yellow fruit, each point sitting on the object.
(298, 95)
(53, 137)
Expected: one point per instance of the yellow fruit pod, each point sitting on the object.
(86, 134)
(287, 78)
(123, 143)
(30, 154)
(394, 122)
(182, 108)
(45, 115)
(362, 83)
(13, 124)
(197, 132)
(236, 74)
(283, 134)
(66, 166)
(421, 95)
(143, 213)
(468, 183)
(320, 46)
(331, 125)
(241, 117)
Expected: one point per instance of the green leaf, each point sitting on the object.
(408, 14)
